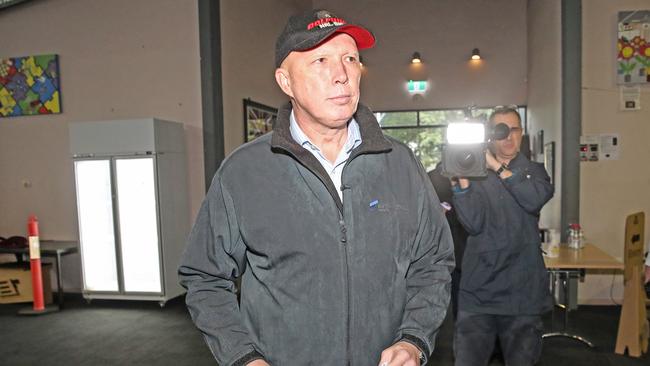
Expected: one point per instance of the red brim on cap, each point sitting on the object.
(361, 36)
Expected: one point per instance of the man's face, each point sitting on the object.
(323, 82)
(508, 147)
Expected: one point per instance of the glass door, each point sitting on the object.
(96, 226)
(138, 224)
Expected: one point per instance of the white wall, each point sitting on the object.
(610, 190)
(545, 90)
(444, 32)
(249, 29)
(118, 59)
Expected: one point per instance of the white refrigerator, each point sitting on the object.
(132, 207)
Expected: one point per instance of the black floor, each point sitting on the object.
(141, 333)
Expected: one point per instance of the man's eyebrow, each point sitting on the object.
(320, 53)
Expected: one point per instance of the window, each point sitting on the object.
(424, 131)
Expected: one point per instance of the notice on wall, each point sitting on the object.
(630, 98)
(609, 146)
(589, 147)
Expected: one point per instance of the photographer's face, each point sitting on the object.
(508, 148)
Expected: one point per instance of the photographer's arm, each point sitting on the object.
(469, 204)
(530, 186)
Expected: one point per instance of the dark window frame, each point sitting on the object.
(419, 127)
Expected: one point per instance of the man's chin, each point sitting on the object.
(343, 112)
(508, 154)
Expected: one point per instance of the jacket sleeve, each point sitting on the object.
(428, 278)
(213, 259)
(530, 186)
(471, 208)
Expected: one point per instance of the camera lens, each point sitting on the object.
(466, 159)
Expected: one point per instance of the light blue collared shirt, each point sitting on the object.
(333, 170)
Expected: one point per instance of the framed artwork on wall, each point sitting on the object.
(538, 147)
(549, 160)
(258, 119)
(29, 85)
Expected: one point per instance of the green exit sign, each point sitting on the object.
(417, 86)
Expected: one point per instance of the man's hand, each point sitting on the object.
(462, 182)
(400, 354)
(491, 162)
(258, 363)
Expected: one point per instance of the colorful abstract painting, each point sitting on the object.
(29, 86)
(633, 47)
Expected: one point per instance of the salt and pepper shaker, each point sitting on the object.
(575, 236)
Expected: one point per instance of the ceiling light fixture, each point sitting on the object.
(476, 54)
(416, 59)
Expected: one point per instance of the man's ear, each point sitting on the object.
(282, 78)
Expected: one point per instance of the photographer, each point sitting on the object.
(504, 287)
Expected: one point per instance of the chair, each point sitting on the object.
(633, 328)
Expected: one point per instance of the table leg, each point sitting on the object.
(58, 280)
(565, 288)
(552, 275)
(567, 302)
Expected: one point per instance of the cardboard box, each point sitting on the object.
(16, 283)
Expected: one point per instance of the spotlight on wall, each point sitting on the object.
(476, 54)
(416, 58)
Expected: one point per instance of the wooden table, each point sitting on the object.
(574, 263)
(49, 248)
(589, 257)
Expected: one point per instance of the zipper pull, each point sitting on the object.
(344, 230)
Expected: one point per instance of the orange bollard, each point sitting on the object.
(35, 263)
(35, 267)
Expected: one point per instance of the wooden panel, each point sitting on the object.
(633, 329)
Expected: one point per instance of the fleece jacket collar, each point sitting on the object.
(372, 141)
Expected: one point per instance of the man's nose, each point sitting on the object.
(340, 73)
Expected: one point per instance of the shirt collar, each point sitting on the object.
(353, 140)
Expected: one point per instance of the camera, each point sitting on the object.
(464, 153)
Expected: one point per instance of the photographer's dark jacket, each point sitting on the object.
(503, 267)
(324, 282)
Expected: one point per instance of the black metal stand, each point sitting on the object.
(564, 275)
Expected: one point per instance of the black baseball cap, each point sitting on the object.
(311, 28)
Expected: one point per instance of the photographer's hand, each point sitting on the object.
(492, 163)
(463, 182)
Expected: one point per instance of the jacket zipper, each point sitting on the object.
(346, 269)
(344, 242)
